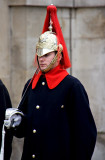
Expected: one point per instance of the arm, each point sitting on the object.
(83, 128)
(5, 103)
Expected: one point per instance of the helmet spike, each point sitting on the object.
(50, 27)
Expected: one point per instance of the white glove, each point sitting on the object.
(13, 122)
(13, 118)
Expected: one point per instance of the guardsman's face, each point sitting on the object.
(45, 60)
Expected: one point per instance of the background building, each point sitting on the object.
(83, 26)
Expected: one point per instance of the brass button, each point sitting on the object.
(43, 83)
(33, 156)
(34, 130)
(62, 106)
(37, 107)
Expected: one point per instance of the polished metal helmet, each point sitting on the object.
(47, 43)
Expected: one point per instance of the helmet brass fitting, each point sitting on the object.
(47, 43)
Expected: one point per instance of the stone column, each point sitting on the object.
(4, 44)
(88, 64)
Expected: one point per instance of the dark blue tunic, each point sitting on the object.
(58, 123)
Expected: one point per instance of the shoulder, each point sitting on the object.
(72, 81)
(77, 87)
(1, 89)
(74, 84)
(2, 86)
(5, 95)
(26, 85)
(1, 83)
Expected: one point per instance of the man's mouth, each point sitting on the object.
(42, 65)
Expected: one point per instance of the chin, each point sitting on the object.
(42, 68)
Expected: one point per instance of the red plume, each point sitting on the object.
(52, 14)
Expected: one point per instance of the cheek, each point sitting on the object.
(50, 59)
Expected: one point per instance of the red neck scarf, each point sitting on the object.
(53, 77)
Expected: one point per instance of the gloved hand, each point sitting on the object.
(13, 122)
(13, 118)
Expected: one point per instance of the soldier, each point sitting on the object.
(5, 103)
(57, 122)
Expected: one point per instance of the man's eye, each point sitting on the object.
(46, 55)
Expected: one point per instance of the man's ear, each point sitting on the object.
(60, 57)
(60, 49)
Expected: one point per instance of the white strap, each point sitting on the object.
(2, 144)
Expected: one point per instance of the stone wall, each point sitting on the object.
(83, 26)
(4, 43)
(88, 64)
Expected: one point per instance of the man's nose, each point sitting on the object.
(41, 58)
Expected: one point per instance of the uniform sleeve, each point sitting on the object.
(83, 126)
(2, 112)
(5, 103)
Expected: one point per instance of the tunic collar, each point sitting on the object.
(53, 77)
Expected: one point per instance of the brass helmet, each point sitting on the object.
(47, 43)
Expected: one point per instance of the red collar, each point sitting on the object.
(53, 77)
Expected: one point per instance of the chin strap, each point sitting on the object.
(60, 48)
